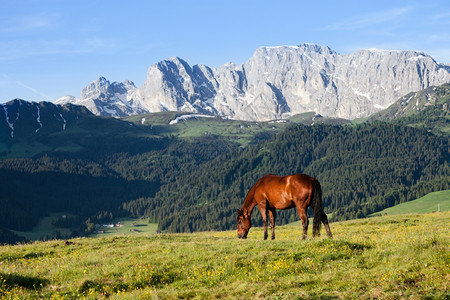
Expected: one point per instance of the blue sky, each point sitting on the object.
(52, 48)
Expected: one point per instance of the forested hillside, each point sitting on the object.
(362, 169)
(97, 169)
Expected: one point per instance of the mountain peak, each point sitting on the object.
(104, 98)
(66, 99)
(317, 48)
(305, 46)
(274, 83)
(101, 79)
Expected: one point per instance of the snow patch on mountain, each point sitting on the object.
(10, 124)
(38, 118)
(188, 117)
(64, 122)
(381, 107)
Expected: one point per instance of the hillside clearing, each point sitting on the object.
(432, 202)
(125, 226)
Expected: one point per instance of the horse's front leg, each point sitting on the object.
(265, 227)
(263, 210)
(272, 214)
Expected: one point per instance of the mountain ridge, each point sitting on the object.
(21, 119)
(24, 118)
(275, 83)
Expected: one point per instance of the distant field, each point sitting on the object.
(129, 226)
(45, 229)
(437, 201)
(241, 132)
(137, 226)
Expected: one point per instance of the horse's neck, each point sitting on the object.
(249, 204)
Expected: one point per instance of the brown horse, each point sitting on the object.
(274, 192)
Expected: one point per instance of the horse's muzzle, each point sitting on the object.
(242, 236)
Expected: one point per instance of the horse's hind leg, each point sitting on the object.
(272, 214)
(305, 221)
(324, 220)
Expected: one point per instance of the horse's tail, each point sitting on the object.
(317, 207)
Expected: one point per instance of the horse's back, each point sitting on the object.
(296, 179)
(283, 191)
(303, 180)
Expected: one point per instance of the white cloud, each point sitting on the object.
(33, 90)
(441, 17)
(16, 24)
(439, 37)
(369, 19)
(19, 49)
(26, 91)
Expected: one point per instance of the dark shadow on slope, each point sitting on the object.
(9, 281)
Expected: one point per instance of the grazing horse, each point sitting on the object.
(283, 192)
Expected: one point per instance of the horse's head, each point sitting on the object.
(243, 224)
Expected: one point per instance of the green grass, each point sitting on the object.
(359, 120)
(310, 118)
(388, 257)
(303, 117)
(237, 131)
(157, 118)
(429, 203)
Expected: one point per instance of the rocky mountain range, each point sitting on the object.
(275, 83)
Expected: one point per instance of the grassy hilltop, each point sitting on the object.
(432, 202)
(382, 257)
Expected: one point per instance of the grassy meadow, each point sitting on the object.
(387, 257)
(437, 201)
(240, 132)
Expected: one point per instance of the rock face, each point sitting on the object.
(276, 82)
(107, 99)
